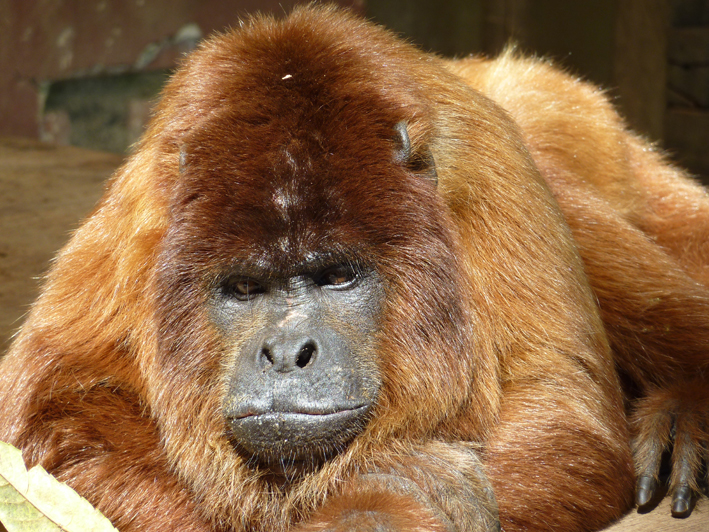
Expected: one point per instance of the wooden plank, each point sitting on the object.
(689, 46)
(688, 86)
(639, 65)
(687, 136)
(61, 39)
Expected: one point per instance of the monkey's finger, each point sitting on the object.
(652, 424)
(682, 501)
(645, 489)
(648, 474)
(685, 468)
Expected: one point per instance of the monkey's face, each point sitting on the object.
(302, 380)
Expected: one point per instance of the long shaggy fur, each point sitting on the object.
(556, 249)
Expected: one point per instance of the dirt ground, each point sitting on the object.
(44, 193)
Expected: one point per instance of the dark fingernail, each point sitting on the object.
(680, 501)
(645, 490)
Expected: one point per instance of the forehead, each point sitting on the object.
(294, 183)
(295, 154)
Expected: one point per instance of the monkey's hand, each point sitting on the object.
(424, 491)
(379, 503)
(675, 418)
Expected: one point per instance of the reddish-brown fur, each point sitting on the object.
(491, 334)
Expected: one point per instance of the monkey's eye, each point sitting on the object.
(244, 288)
(339, 276)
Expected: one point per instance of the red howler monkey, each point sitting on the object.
(338, 270)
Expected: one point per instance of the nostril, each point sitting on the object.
(266, 353)
(305, 355)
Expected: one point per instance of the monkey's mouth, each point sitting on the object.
(276, 439)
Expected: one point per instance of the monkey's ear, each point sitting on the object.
(420, 161)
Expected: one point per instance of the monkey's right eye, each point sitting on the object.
(339, 276)
(243, 288)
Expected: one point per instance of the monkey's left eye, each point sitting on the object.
(338, 276)
(244, 288)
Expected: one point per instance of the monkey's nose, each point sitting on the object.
(287, 351)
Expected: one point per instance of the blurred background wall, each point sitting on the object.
(85, 72)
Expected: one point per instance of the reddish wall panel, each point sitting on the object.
(47, 40)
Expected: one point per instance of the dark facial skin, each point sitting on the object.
(302, 386)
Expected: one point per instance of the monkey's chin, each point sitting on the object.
(294, 443)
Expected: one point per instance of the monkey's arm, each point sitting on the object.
(641, 228)
(437, 487)
(555, 460)
(657, 319)
(100, 442)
